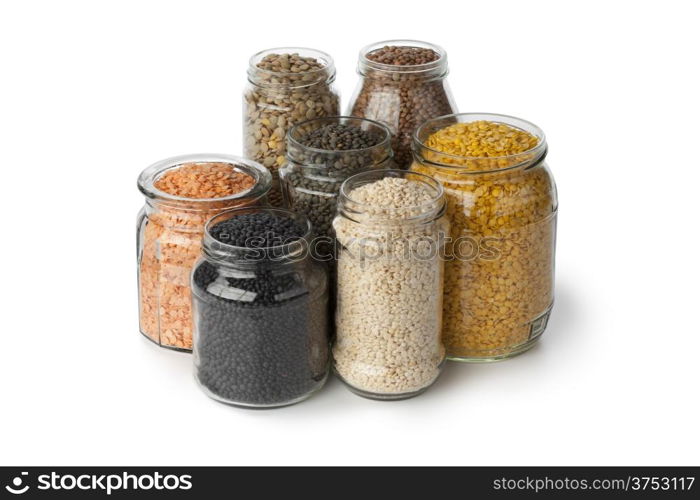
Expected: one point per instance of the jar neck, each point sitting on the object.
(338, 164)
(274, 81)
(161, 201)
(433, 70)
(383, 216)
(262, 81)
(375, 71)
(282, 258)
(431, 157)
(254, 255)
(479, 166)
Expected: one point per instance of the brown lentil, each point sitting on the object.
(170, 232)
(501, 195)
(402, 86)
(403, 56)
(285, 89)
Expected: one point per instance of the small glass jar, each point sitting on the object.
(312, 177)
(499, 284)
(261, 319)
(168, 241)
(389, 290)
(402, 96)
(274, 101)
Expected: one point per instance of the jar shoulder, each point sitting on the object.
(520, 196)
(260, 287)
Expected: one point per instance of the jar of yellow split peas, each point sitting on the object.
(502, 207)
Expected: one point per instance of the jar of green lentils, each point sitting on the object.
(321, 154)
(502, 206)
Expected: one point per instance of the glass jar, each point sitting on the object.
(389, 289)
(402, 96)
(274, 101)
(499, 285)
(168, 241)
(312, 177)
(261, 319)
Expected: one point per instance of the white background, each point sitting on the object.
(93, 92)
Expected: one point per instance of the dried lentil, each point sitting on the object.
(389, 291)
(285, 89)
(501, 196)
(340, 137)
(210, 180)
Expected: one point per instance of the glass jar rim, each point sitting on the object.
(324, 58)
(149, 176)
(364, 61)
(529, 156)
(435, 204)
(385, 142)
(286, 249)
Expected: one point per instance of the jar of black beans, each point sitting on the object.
(321, 154)
(260, 310)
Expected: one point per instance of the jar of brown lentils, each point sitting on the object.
(502, 206)
(286, 86)
(402, 85)
(182, 194)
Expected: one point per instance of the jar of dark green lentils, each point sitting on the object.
(321, 154)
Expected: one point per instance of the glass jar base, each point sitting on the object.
(257, 406)
(165, 346)
(520, 349)
(537, 327)
(384, 396)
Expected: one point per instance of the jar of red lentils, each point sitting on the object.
(502, 206)
(182, 193)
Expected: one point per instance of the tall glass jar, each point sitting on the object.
(168, 241)
(261, 319)
(402, 96)
(273, 101)
(389, 284)
(312, 177)
(499, 285)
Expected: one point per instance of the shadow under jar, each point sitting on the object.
(261, 313)
(312, 177)
(286, 86)
(499, 277)
(182, 193)
(391, 230)
(402, 84)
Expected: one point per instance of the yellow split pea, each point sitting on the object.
(502, 206)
